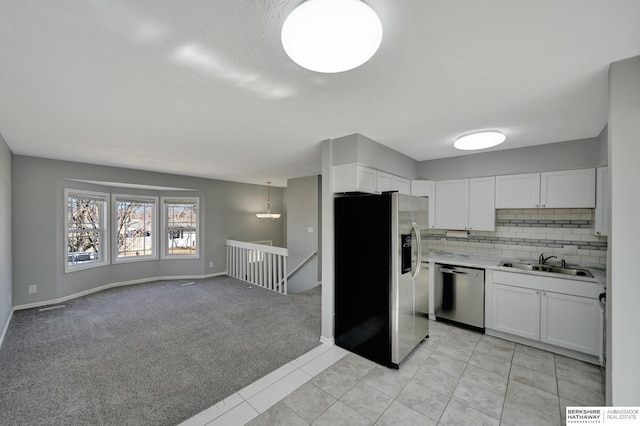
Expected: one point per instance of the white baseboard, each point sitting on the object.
(113, 285)
(327, 340)
(6, 327)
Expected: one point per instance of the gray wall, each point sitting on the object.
(302, 213)
(227, 210)
(623, 289)
(5, 231)
(327, 237)
(603, 147)
(568, 155)
(357, 148)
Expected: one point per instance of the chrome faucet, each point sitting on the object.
(542, 259)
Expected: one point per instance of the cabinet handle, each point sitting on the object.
(597, 232)
(537, 292)
(544, 293)
(537, 205)
(544, 205)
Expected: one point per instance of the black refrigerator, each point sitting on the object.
(381, 305)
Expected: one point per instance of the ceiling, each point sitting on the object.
(204, 88)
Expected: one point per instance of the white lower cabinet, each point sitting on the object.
(571, 322)
(516, 310)
(569, 317)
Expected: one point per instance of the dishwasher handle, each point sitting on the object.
(452, 271)
(458, 272)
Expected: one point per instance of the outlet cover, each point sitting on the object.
(33, 289)
(310, 229)
(210, 264)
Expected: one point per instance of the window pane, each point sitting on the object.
(182, 227)
(135, 228)
(83, 247)
(84, 213)
(85, 224)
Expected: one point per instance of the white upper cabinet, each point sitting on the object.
(426, 188)
(354, 177)
(482, 209)
(466, 204)
(569, 188)
(402, 185)
(518, 191)
(602, 216)
(562, 189)
(384, 182)
(452, 204)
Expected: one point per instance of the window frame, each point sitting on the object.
(103, 231)
(115, 199)
(165, 228)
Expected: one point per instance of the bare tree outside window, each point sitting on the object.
(85, 228)
(135, 228)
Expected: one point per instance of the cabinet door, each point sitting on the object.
(353, 178)
(426, 188)
(568, 188)
(518, 191)
(344, 177)
(482, 208)
(384, 182)
(452, 204)
(402, 185)
(602, 221)
(516, 310)
(571, 322)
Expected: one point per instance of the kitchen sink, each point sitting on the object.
(547, 268)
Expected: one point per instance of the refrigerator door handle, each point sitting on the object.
(419, 250)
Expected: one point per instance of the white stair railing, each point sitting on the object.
(259, 264)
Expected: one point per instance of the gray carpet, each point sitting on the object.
(149, 354)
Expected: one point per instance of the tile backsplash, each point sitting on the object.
(566, 233)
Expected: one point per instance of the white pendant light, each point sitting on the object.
(479, 140)
(331, 36)
(268, 215)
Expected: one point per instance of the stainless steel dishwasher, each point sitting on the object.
(459, 295)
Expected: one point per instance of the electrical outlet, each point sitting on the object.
(310, 229)
(33, 289)
(210, 264)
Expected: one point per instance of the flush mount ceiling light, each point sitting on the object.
(479, 140)
(331, 36)
(268, 214)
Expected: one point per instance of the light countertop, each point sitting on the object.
(492, 261)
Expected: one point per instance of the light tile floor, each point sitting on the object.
(456, 377)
